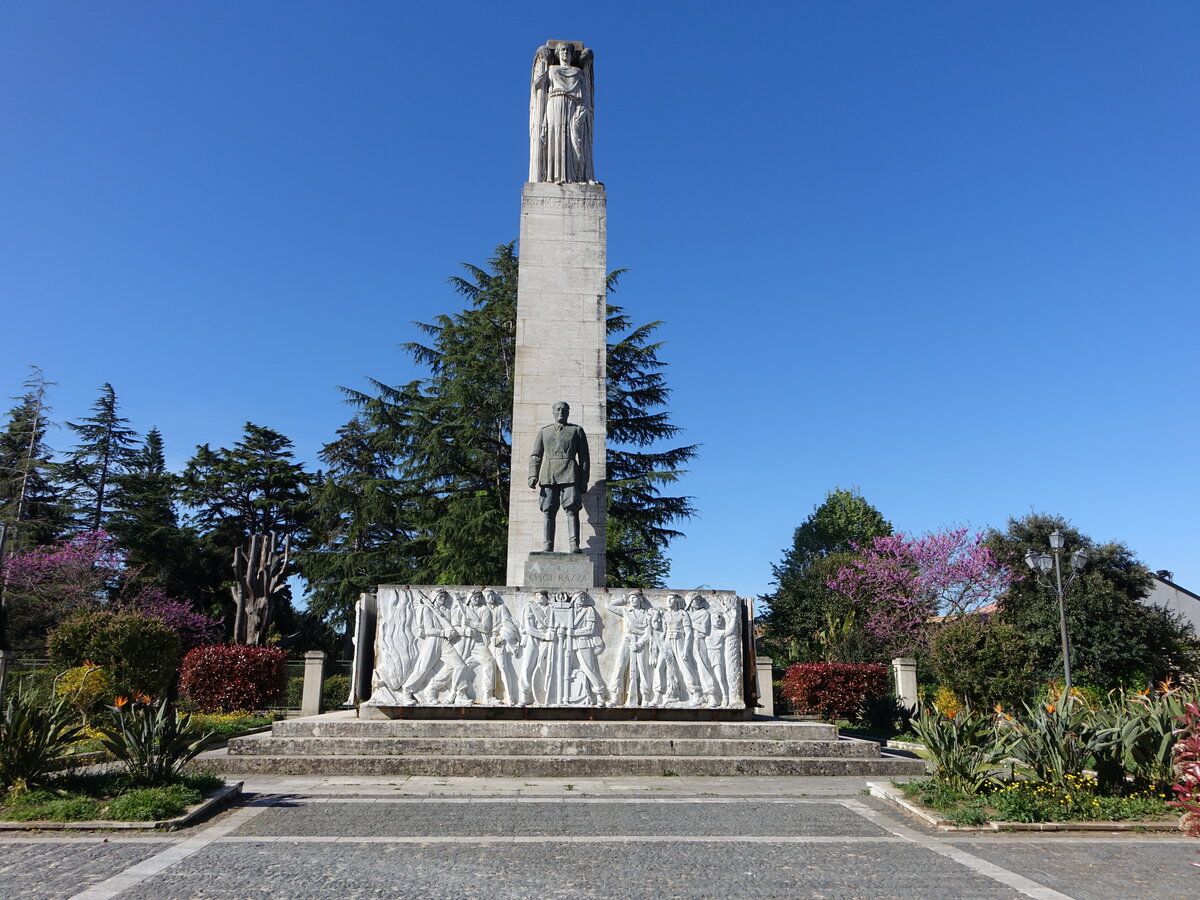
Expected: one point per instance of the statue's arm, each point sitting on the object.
(535, 459)
(585, 462)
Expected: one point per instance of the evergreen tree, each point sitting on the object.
(806, 617)
(639, 516)
(447, 440)
(30, 505)
(1115, 639)
(253, 488)
(106, 445)
(145, 523)
(362, 535)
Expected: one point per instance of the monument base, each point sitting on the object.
(571, 571)
(564, 645)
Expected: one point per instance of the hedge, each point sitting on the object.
(833, 690)
(238, 676)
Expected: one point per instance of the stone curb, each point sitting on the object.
(891, 795)
(193, 814)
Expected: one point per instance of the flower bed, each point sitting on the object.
(112, 796)
(1032, 801)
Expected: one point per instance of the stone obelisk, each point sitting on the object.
(561, 300)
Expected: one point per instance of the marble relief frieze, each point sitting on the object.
(462, 647)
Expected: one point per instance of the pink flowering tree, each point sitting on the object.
(89, 571)
(900, 584)
(81, 570)
(194, 628)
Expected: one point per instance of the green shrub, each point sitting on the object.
(230, 723)
(885, 715)
(985, 663)
(141, 654)
(334, 691)
(84, 688)
(35, 740)
(1142, 728)
(152, 741)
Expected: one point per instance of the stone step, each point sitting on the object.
(341, 726)
(221, 762)
(272, 745)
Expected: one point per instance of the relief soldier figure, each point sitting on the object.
(560, 467)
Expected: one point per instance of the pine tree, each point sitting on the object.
(362, 536)
(639, 516)
(253, 488)
(30, 505)
(91, 471)
(146, 524)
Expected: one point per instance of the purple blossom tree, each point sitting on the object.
(902, 583)
(89, 570)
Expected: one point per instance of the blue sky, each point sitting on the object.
(945, 253)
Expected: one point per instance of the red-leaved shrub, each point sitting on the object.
(833, 690)
(228, 677)
(1187, 770)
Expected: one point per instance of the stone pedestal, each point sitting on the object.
(561, 355)
(904, 669)
(314, 677)
(572, 571)
(764, 682)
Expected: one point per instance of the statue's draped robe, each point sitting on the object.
(560, 125)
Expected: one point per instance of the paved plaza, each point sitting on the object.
(653, 838)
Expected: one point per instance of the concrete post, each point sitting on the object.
(766, 690)
(314, 675)
(904, 669)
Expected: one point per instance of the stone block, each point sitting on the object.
(558, 570)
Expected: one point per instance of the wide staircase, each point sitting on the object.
(339, 744)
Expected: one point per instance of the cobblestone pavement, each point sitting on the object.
(659, 838)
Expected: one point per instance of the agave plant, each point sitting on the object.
(1059, 737)
(1141, 728)
(966, 748)
(152, 740)
(35, 739)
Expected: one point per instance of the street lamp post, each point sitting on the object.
(1041, 563)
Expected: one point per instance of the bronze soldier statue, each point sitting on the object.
(560, 466)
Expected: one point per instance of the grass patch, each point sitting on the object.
(231, 724)
(81, 798)
(1033, 801)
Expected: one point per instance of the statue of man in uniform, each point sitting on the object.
(560, 466)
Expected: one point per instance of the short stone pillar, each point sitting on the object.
(314, 677)
(764, 681)
(904, 669)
